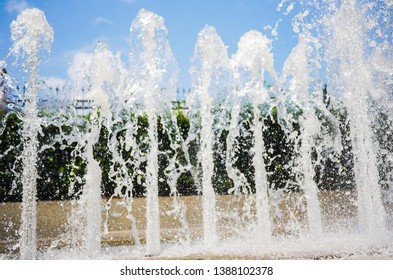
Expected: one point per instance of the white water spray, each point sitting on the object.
(31, 34)
(283, 218)
(153, 66)
(250, 62)
(297, 67)
(347, 30)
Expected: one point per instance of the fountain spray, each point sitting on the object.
(210, 64)
(250, 62)
(31, 34)
(356, 84)
(154, 69)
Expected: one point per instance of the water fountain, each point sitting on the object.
(250, 62)
(211, 61)
(350, 52)
(31, 33)
(152, 62)
(245, 168)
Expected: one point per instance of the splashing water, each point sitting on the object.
(31, 34)
(275, 170)
(153, 64)
(250, 61)
(210, 65)
(356, 83)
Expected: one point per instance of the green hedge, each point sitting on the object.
(61, 165)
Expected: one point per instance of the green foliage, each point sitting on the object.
(54, 166)
(279, 152)
(60, 163)
(336, 168)
(10, 166)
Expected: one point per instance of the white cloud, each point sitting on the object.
(17, 6)
(101, 20)
(80, 65)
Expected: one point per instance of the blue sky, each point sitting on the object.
(80, 24)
